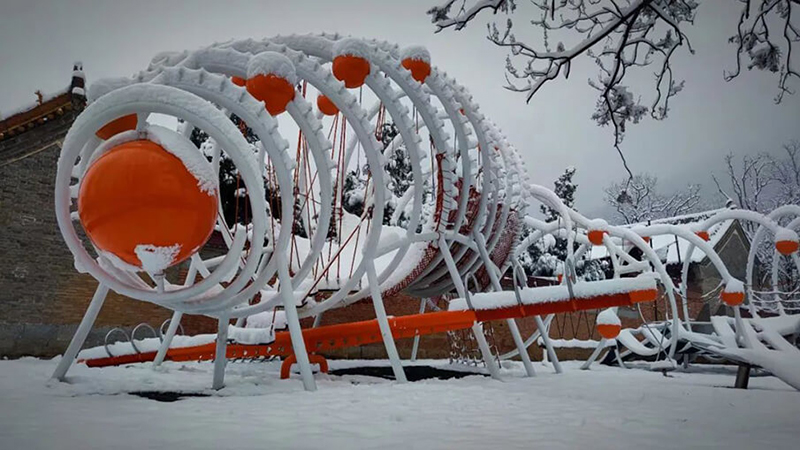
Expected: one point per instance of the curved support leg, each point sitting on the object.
(599, 349)
(80, 334)
(220, 355)
(383, 323)
(286, 365)
(174, 322)
(292, 319)
(512, 323)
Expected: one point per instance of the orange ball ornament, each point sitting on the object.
(732, 298)
(274, 91)
(703, 235)
(326, 106)
(609, 331)
(419, 69)
(137, 194)
(596, 236)
(116, 126)
(786, 247)
(351, 70)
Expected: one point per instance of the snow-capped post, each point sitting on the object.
(77, 86)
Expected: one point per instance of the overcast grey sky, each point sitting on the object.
(40, 39)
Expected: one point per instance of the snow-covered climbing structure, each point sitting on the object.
(320, 225)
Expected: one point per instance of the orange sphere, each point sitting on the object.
(326, 106)
(419, 68)
(596, 236)
(116, 126)
(608, 331)
(732, 298)
(275, 92)
(350, 69)
(137, 193)
(239, 81)
(703, 235)
(786, 247)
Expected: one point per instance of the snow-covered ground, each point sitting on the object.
(606, 407)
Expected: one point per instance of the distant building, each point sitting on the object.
(728, 239)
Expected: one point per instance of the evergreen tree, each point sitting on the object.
(546, 257)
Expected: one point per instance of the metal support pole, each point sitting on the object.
(512, 323)
(477, 329)
(174, 322)
(293, 320)
(551, 353)
(415, 347)
(220, 356)
(80, 334)
(742, 376)
(594, 355)
(383, 323)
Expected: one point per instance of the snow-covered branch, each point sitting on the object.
(638, 200)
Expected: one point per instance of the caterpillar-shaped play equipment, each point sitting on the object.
(320, 224)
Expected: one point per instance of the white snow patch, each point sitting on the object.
(156, 259)
(785, 234)
(608, 317)
(251, 336)
(605, 408)
(416, 53)
(351, 46)
(734, 285)
(103, 86)
(598, 224)
(549, 294)
(272, 63)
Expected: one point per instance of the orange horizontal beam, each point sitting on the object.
(353, 334)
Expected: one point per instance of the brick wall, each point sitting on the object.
(42, 296)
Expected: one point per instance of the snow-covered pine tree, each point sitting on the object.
(545, 257)
(400, 178)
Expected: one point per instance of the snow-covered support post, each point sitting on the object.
(477, 329)
(292, 319)
(491, 269)
(80, 334)
(166, 341)
(415, 346)
(220, 353)
(596, 353)
(383, 324)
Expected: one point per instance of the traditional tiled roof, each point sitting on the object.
(36, 115)
(47, 108)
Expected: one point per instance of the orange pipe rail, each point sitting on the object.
(353, 334)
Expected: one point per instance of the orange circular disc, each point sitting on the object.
(786, 247)
(419, 69)
(326, 106)
(274, 91)
(351, 70)
(608, 331)
(732, 298)
(137, 193)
